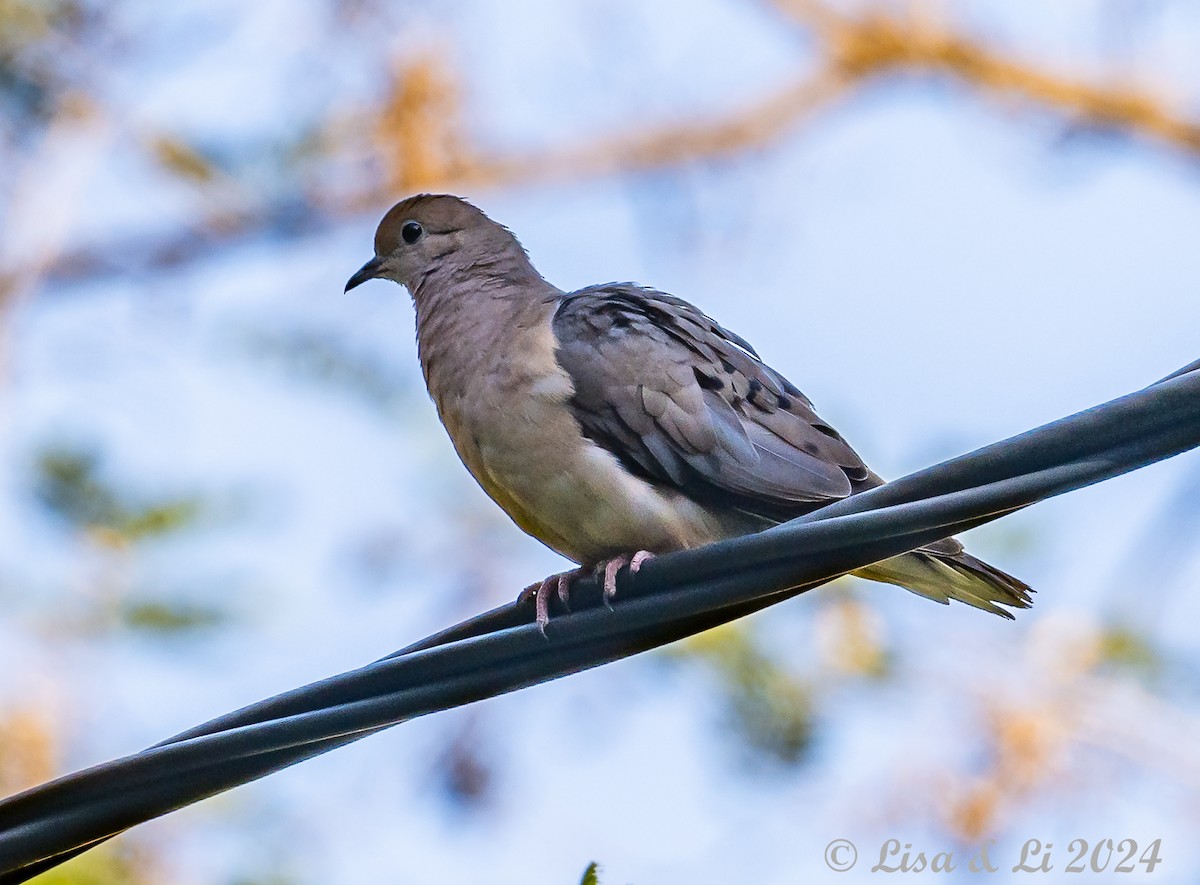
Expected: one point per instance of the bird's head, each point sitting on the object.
(438, 237)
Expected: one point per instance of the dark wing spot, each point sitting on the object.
(708, 382)
(755, 389)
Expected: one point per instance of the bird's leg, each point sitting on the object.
(614, 565)
(558, 584)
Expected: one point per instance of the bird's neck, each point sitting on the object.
(470, 329)
(465, 277)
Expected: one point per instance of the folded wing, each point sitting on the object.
(681, 401)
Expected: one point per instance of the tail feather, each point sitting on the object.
(945, 571)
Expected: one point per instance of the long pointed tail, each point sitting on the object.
(944, 571)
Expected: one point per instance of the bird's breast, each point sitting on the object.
(513, 428)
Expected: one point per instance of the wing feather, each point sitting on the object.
(681, 401)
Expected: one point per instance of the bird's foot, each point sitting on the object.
(560, 585)
(556, 585)
(617, 563)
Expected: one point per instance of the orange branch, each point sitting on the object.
(876, 44)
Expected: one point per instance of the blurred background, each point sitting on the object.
(947, 222)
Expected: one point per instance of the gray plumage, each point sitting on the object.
(619, 418)
(680, 400)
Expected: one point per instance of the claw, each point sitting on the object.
(635, 561)
(611, 568)
(564, 586)
(558, 585)
(614, 565)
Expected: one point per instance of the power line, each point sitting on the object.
(673, 596)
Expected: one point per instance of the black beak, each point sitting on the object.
(368, 271)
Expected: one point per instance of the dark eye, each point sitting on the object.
(411, 232)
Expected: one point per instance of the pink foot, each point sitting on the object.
(614, 565)
(560, 585)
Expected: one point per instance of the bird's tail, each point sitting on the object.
(944, 571)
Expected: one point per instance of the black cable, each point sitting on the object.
(674, 596)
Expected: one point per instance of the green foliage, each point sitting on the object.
(32, 72)
(69, 485)
(161, 616)
(768, 706)
(108, 864)
(591, 876)
(1125, 648)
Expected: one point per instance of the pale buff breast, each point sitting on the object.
(514, 431)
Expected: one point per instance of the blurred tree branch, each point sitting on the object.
(28, 749)
(416, 139)
(416, 142)
(876, 44)
(1093, 696)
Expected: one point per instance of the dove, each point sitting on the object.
(617, 422)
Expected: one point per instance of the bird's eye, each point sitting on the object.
(411, 232)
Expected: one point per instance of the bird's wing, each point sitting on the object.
(683, 402)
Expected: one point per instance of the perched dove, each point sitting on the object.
(617, 422)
